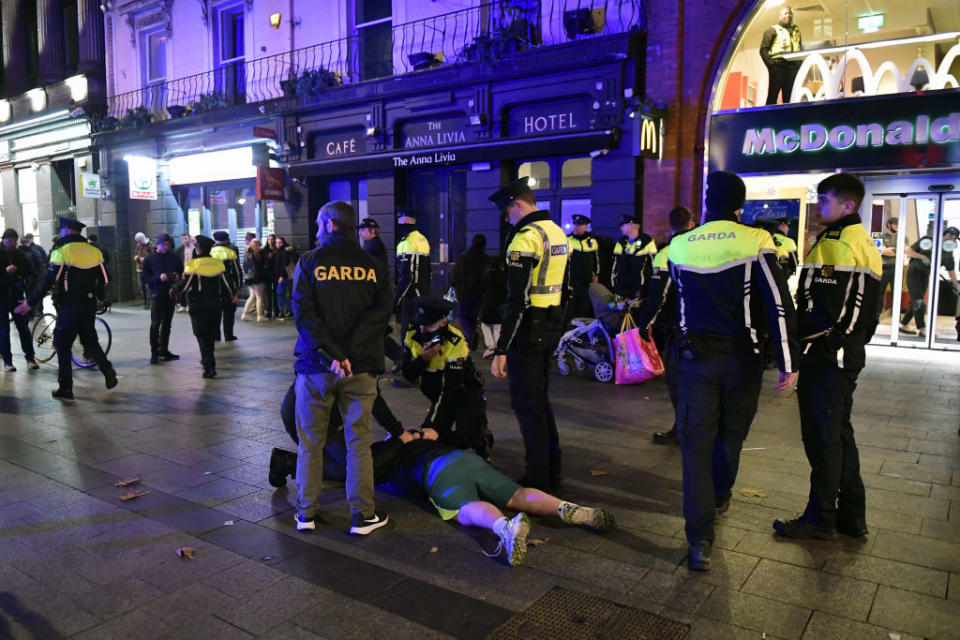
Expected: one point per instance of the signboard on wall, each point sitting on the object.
(90, 185)
(338, 144)
(648, 136)
(549, 117)
(193, 222)
(143, 177)
(441, 131)
(899, 131)
(271, 183)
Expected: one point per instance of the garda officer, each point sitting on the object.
(786, 247)
(781, 38)
(537, 253)
(727, 276)
(632, 259)
(584, 268)
(412, 267)
(227, 253)
(658, 313)
(437, 354)
(836, 317)
(341, 303)
(207, 289)
(76, 270)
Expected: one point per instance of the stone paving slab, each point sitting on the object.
(76, 561)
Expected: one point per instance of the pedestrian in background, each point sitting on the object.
(185, 253)
(161, 270)
(268, 253)
(284, 262)
(494, 297)
(16, 276)
(369, 230)
(140, 253)
(253, 266)
(341, 304)
(468, 282)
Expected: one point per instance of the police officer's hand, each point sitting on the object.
(430, 351)
(407, 436)
(786, 381)
(430, 434)
(235, 298)
(498, 368)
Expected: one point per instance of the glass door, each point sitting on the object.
(945, 330)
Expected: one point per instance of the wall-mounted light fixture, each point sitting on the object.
(276, 19)
(5, 110)
(38, 99)
(78, 87)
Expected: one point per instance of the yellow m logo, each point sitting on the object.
(648, 136)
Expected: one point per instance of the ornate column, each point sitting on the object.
(90, 38)
(15, 42)
(50, 41)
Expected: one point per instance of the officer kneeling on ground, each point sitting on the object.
(437, 355)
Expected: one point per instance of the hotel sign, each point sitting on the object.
(885, 132)
(550, 117)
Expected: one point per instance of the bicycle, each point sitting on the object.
(44, 348)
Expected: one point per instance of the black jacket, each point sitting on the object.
(156, 264)
(341, 304)
(375, 247)
(14, 286)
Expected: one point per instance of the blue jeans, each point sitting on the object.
(283, 297)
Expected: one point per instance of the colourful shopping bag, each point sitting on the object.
(637, 356)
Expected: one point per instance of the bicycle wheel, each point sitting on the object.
(104, 337)
(43, 337)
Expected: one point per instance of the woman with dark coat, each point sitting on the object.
(468, 281)
(284, 261)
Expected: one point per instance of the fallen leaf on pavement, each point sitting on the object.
(597, 472)
(752, 493)
(134, 494)
(126, 482)
(207, 473)
(434, 549)
(185, 553)
(536, 542)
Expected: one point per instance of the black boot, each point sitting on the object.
(282, 464)
(666, 437)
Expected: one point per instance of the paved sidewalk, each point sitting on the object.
(77, 561)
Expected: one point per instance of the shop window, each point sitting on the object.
(229, 51)
(340, 190)
(537, 172)
(575, 172)
(153, 53)
(246, 208)
(374, 25)
(219, 210)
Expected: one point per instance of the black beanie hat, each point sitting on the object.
(725, 192)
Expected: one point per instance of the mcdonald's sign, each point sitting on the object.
(647, 134)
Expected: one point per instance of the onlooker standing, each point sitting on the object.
(36, 259)
(370, 239)
(140, 253)
(888, 258)
(161, 270)
(837, 316)
(27, 241)
(185, 252)
(339, 353)
(16, 276)
(283, 265)
(254, 267)
(267, 255)
(468, 282)
(494, 296)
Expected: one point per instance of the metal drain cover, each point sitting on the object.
(562, 614)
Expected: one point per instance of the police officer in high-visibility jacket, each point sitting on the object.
(836, 316)
(77, 273)
(632, 259)
(730, 288)
(537, 254)
(658, 313)
(786, 247)
(412, 263)
(207, 289)
(584, 268)
(227, 253)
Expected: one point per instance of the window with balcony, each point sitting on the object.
(229, 52)
(153, 56)
(373, 20)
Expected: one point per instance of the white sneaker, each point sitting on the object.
(305, 525)
(9, 367)
(513, 538)
(32, 365)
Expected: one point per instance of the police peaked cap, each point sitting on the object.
(726, 192)
(70, 223)
(368, 223)
(221, 236)
(406, 212)
(10, 233)
(629, 218)
(953, 231)
(509, 193)
(205, 243)
(579, 219)
(431, 309)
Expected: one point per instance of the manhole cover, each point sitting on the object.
(562, 614)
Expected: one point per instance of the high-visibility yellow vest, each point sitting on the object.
(414, 244)
(454, 347)
(787, 40)
(546, 242)
(205, 266)
(223, 252)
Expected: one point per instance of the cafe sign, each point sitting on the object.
(338, 144)
(895, 131)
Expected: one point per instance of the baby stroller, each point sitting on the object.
(589, 345)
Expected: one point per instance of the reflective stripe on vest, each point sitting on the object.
(546, 287)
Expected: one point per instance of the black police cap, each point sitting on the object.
(629, 218)
(406, 212)
(70, 223)
(368, 223)
(509, 193)
(205, 243)
(431, 309)
(221, 236)
(579, 219)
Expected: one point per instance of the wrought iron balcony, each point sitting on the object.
(489, 32)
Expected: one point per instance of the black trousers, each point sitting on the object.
(22, 323)
(161, 315)
(228, 309)
(468, 313)
(579, 305)
(470, 425)
(206, 328)
(825, 393)
(782, 77)
(77, 320)
(886, 280)
(716, 402)
(528, 376)
(405, 309)
(917, 282)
